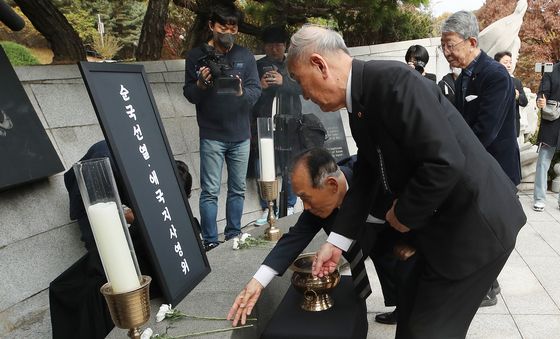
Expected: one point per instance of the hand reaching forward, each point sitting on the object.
(245, 301)
(326, 259)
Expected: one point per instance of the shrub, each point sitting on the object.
(18, 55)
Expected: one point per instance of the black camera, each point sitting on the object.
(222, 78)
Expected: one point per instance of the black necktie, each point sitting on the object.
(355, 258)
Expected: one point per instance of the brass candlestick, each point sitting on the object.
(269, 192)
(129, 309)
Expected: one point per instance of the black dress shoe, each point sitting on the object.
(208, 246)
(490, 299)
(496, 287)
(389, 318)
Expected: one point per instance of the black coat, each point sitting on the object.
(491, 115)
(520, 101)
(447, 87)
(453, 195)
(549, 131)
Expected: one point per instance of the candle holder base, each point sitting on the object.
(272, 234)
(129, 309)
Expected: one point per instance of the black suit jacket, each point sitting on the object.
(461, 207)
(492, 114)
(308, 225)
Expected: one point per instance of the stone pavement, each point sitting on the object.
(529, 305)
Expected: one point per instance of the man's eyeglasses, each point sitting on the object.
(449, 47)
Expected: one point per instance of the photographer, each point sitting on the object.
(548, 138)
(276, 83)
(221, 80)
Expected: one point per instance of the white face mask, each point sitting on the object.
(456, 70)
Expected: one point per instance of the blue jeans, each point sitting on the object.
(541, 176)
(212, 156)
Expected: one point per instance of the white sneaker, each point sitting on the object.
(538, 206)
(290, 211)
(263, 219)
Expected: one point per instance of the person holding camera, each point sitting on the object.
(276, 83)
(417, 57)
(548, 137)
(221, 80)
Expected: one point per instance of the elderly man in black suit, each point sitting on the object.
(448, 193)
(485, 96)
(322, 185)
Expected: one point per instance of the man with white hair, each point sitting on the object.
(459, 208)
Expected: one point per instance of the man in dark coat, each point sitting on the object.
(484, 92)
(322, 185)
(548, 138)
(447, 192)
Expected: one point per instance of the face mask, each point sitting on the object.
(225, 39)
(456, 70)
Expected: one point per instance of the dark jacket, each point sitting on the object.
(520, 101)
(549, 131)
(453, 195)
(447, 87)
(308, 225)
(491, 114)
(223, 117)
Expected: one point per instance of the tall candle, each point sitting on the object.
(113, 247)
(266, 153)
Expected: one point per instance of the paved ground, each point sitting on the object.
(529, 305)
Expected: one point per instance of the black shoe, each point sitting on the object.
(208, 246)
(389, 318)
(489, 299)
(496, 287)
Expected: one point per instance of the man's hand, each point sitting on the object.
(393, 221)
(541, 102)
(403, 251)
(264, 82)
(326, 259)
(245, 301)
(274, 78)
(240, 89)
(204, 78)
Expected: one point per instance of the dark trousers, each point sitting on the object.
(438, 308)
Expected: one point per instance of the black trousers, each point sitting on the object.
(435, 307)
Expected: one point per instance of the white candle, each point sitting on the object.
(266, 155)
(113, 247)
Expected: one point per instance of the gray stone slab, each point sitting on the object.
(360, 50)
(485, 326)
(163, 100)
(531, 243)
(182, 105)
(73, 142)
(35, 105)
(549, 231)
(33, 209)
(40, 73)
(175, 77)
(29, 318)
(31, 264)
(175, 65)
(152, 66)
(64, 105)
(538, 326)
(547, 271)
(189, 126)
(174, 135)
(522, 292)
(155, 78)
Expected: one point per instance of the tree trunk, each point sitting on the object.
(153, 31)
(49, 21)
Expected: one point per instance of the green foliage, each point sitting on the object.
(18, 55)
(123, 18)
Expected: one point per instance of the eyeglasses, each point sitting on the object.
(450, 47)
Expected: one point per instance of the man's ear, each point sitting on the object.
(332, 184)
(318, 61)
(210, 26)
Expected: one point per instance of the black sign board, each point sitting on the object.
(336, 138)
(128, 115)
(26, 153)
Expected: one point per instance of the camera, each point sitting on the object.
(544, 67)
(222, 77)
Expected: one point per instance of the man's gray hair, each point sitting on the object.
(315, 39)
(463, 23)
